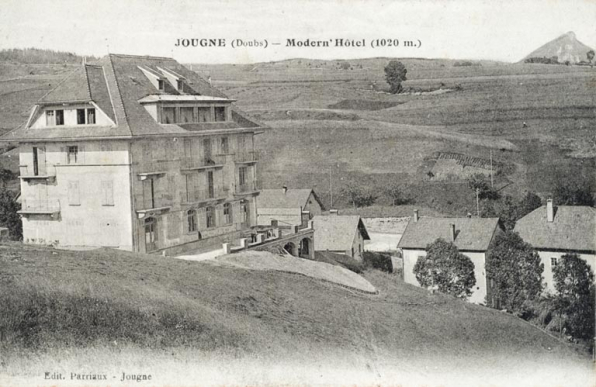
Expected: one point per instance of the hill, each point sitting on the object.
(107, 311)
(566, 48)
(39, 56)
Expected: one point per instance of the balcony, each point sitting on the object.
(248, 188)
(43, 172)
(40, 207)
(246, 157)
(205, 195)
(198, 163)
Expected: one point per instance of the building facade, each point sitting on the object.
(291, 207)
(341, 234)
(472, 237)
(554, 231)
(137, 153)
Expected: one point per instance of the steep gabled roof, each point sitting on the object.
(73, 88)
(472, 234)
(115, 84)
(277, 198)
(337, 232)
(573, 228)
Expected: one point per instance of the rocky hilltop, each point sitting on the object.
(565, 48)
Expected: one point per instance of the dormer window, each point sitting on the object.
(50, 118)
(220, 113)
(169, 115)
(86, 116)
(180, 84)
(160, 84)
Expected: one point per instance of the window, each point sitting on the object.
(207, 150)
(179, 84)
(73, 193)
(227, 211)
(204, 114)
(191, 217)
(242, 175)
(220, 113)
(554, 262)
(210, 185)
(186, 114)
(81, 117)
(244, 211)
(169, 115)
(91, 116)
(160, 84)
(210, 213)
(59, 117)
(107, 193)
(72, 154)
(50, 118)
(225, 148)
(35, 161)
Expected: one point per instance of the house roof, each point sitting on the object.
(116, 84)
(473, 234)
(276, 198)
(573, 228)
(337, 232)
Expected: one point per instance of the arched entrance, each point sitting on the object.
(150, 234)
(305, 248)
(291, 248)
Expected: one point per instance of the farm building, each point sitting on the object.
(342, 234)
(138, 153)
(472, 236)
(287, 206)
(554, 231)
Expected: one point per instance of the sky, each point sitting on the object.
(505, 30)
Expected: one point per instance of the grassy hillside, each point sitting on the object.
(325, 120)
(107, 311)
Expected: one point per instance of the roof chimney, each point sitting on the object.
(415, 215)
(452, 226)
(333, 212)
(285, 189)
(550, 213)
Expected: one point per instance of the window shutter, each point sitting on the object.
(81, 155)
(73, 193)
(107, 193)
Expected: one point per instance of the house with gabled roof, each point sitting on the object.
(341, 234)
(554, 231)
(139, 153)
(472, 237)
(288, 206)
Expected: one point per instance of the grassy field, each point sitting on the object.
(333, 127)
(538, 119)
(107, 311)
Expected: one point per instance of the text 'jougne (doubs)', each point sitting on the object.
(298, 43)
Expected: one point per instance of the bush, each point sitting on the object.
(395, 74)
(378, 261)
(9, 217)
(445, 268)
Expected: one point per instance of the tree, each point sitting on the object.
(357, 196)
(397, 195)
(574, 192)
(445, 268)
(574, 282)
(8, 214)
(5, 176)
(478, 182)
(529, 203)
(395, 74)
(590, 56)
(508, 210)
(514, 272)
